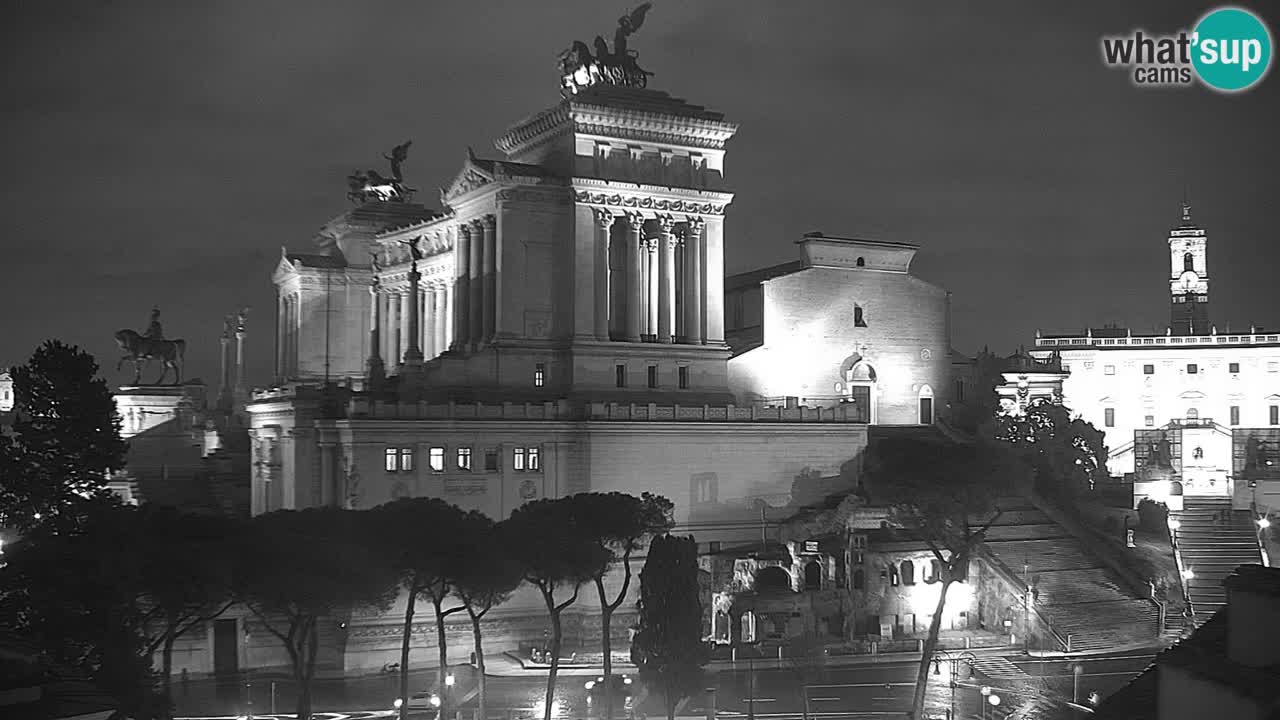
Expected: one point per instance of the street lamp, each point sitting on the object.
(1188, 574)
(986, 693)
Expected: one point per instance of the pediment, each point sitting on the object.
(1273, 397)
(285, 268)
(470, 177)
(1192, 395)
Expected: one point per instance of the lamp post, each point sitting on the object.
(986, 693)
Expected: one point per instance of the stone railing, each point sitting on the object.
(369, 408)
(1129, 340)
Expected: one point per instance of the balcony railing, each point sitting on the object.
(363, 407)
(1147, 340)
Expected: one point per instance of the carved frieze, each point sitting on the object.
(647, 203)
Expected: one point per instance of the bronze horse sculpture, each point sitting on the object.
(139, 348)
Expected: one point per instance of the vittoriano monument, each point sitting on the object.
(579, 69)
(140, 348)
(371, 186)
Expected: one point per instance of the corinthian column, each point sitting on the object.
(462, 288)
(475, 309)
(413, 351)
(489, 267)
(440, 313)
(634, 296)
(693, 287)
(604, 221)
(666, 279)
(376, 370)
(651, 289)
(429, 322)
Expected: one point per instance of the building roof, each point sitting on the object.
(755, 277)
(863, 242)
(642, 100)
(498, 168)
(318, 261)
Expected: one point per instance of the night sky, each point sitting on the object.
(161, 153)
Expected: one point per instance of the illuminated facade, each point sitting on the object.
(1193, 411)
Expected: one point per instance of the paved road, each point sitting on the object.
(833, 693)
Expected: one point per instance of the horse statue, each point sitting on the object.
(139, 349)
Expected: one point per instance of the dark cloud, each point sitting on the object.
(163, 153)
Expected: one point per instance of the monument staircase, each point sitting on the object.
(1212, 540)
(1085, 603)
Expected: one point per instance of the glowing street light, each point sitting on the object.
(1263, 523)
(449, 680)
(993, 699)
(1188, 574)
(1174, 524)
(398, 703)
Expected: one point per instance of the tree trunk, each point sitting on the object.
(606, 645)
(304, 663)
(442, 688)
(669, 696)
(167, 671)
(407, 636)
(475, 634)
(930, 643)
(555, 659)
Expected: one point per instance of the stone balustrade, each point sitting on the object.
(1183, 340)
(363, 407)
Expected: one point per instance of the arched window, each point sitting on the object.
(893, 575)
(935, 572)
(859, 579)
(813, 576)
(1175, 488)
(1188, 262)
(908, 573)
(861, 262)
(1193, 414)
(858, 319)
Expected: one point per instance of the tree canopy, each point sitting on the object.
(1067, 453)
(668, 649)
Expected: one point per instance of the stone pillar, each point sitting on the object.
(224, 378)
(377, 372)
(693, 325)
(393, 327)
(413, 328)
(635, 296)
(239, 391)
(666, 280)
(427, 303)
(443, 308)
(462, 288)
(651, 280)
(447, 326)
(475, 303)
(281, 324)
(604, 222)
(490, 276)
(713, 280)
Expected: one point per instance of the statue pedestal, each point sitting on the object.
(146, 407)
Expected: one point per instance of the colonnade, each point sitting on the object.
(651, 278)
(393, 315)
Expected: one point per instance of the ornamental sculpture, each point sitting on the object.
(372, 186)
(140, 349)
(579, 69)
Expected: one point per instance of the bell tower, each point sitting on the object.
(1188, 278)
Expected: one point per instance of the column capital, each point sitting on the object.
(636, 221)
(489, 222)
(666, 223)
(695, 224)
(604, 217)
(464, 229)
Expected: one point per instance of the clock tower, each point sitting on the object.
(1188, 278)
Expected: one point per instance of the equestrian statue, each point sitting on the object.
(140, 349)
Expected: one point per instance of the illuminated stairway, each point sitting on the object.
(1213, 540)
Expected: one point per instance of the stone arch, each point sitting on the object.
(813, 575)
(924, 400)
(1188, 261)
(1193, 413)
(1175, 487)
(862, 262)
(772, 578)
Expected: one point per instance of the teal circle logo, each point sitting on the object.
(1231, 49)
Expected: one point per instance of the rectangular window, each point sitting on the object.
(620, 375)
(392, 464)
(1149, 421)
(653, 376)
(517, 459)
(1192, 369)
(539, 374)
(464, 458)
(490, 460)
(683, 374)
(1275, 414)
(1148, 369)
(406, 459)
(1108, 369)
(1233, 367)
(436, 459)
(1235, 414)
(535, 459)
(1109, 417)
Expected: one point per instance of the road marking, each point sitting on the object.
(759, 699)
(860, 685)
(823, 699)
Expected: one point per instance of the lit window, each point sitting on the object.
(490, 460)
(464, 458)
(893, 576)
(1109, 370)
(535, 459)
(406, 459)
(1148, 369)
(1192, 368)
(620, 375)
(391, 460)
(517, 459)
(436, 458)
(1109, 417)
(1149, 421)
(539, 375)
(683, 374)
(653, 376)
(1275, 414)
(1233, 367)
(1235, 414)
